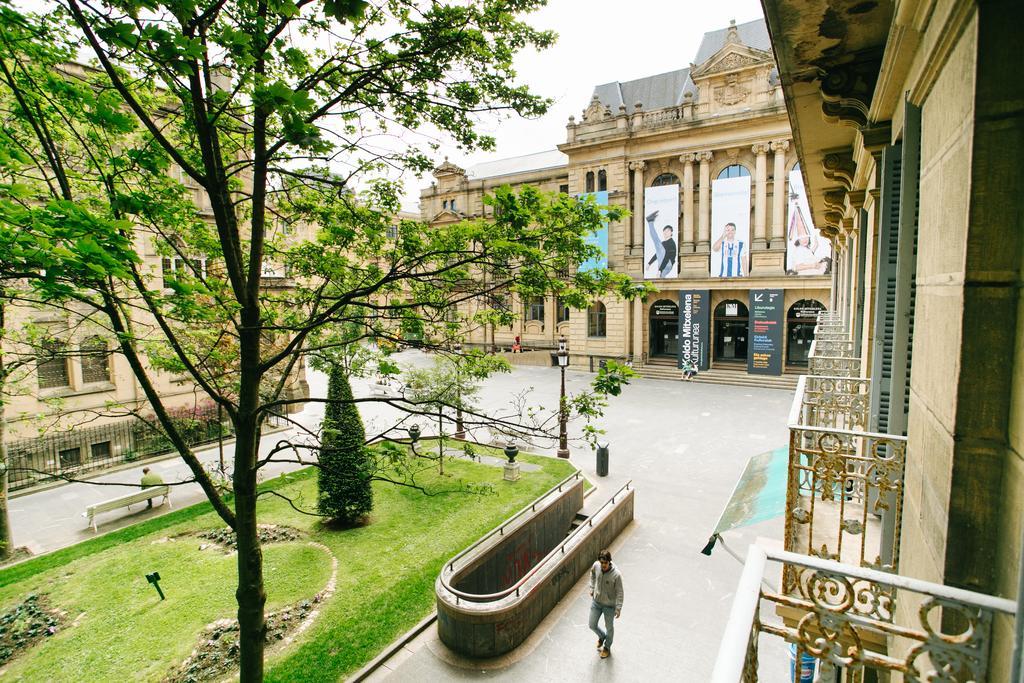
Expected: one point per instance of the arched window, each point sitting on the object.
(730, 327)
(800, 323)
(596, 320)
(563, 310)
(95, 360)
(590, 181)
(734, 171)
(451, 204)
(444, 205)
(602, 181)
(665, 179)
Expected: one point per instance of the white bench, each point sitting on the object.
(127, 500)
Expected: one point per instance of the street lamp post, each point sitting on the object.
(460, 430)
(563, 363)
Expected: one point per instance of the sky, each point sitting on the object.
(600, 41)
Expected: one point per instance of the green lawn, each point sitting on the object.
(385, 580)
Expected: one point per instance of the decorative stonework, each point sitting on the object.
(759, 148)
(705, 156)
(732, 61)
(847, 91)
(839, 167)
(595, 110)
(731, 93)
(637, 165)
(780, 145)
(447, 168)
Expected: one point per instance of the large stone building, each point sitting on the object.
(695, 155)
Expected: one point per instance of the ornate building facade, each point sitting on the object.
(703, 160)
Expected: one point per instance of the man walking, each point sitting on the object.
(606, 590)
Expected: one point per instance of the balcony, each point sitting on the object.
(849, 628)
(837, 602)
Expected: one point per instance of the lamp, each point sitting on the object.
(563, 363)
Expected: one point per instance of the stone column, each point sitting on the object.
(638, 332)
(760, 151)
(637, 232)
(779, 196)
(704, 223)
(688, 236)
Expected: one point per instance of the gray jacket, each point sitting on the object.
(606, 587)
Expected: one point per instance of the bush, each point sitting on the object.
(345, 470)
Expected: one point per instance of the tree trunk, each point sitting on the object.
(251, 595)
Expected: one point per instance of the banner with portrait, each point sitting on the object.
(807, 252)
(598, 238)
(730, 227)
(661, 232)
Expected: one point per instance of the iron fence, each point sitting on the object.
(82, 449)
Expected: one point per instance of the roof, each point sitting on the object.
(655, 92)
(668, 89)
(752, 34)
(537, 161)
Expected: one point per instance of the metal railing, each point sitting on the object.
(830, 401)
(844, 496)
(451, 570)
(843, 348)
(82, 450)
(835, 366)
(946, 638)
(455, 564)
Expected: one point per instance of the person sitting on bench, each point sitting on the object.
(150, 479)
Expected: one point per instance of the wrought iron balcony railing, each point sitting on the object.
(847, 627)
(844, 494)
(833, 366)
(842, 348)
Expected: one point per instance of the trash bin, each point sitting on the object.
(602, 459)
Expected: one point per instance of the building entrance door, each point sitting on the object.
(731, 319)
(664, 329)
(800, 323)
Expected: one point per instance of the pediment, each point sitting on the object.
(447, 216)
(732, 57)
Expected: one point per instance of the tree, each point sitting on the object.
(452, 382)
(345, 470)
(268, 113)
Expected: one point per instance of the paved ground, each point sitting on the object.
(683, 445)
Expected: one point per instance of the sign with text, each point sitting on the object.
(764, 356)
(694, 326)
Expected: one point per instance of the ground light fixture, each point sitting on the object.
(154, 579)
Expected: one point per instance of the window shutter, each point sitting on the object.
(906, 272)
(885, 304)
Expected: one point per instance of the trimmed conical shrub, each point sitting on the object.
(345, 471)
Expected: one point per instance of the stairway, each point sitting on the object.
(665, 368)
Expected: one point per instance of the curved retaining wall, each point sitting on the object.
(491, 596)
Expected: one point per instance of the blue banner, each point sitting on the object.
(599, 238)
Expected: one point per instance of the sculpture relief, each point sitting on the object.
(732, 93)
